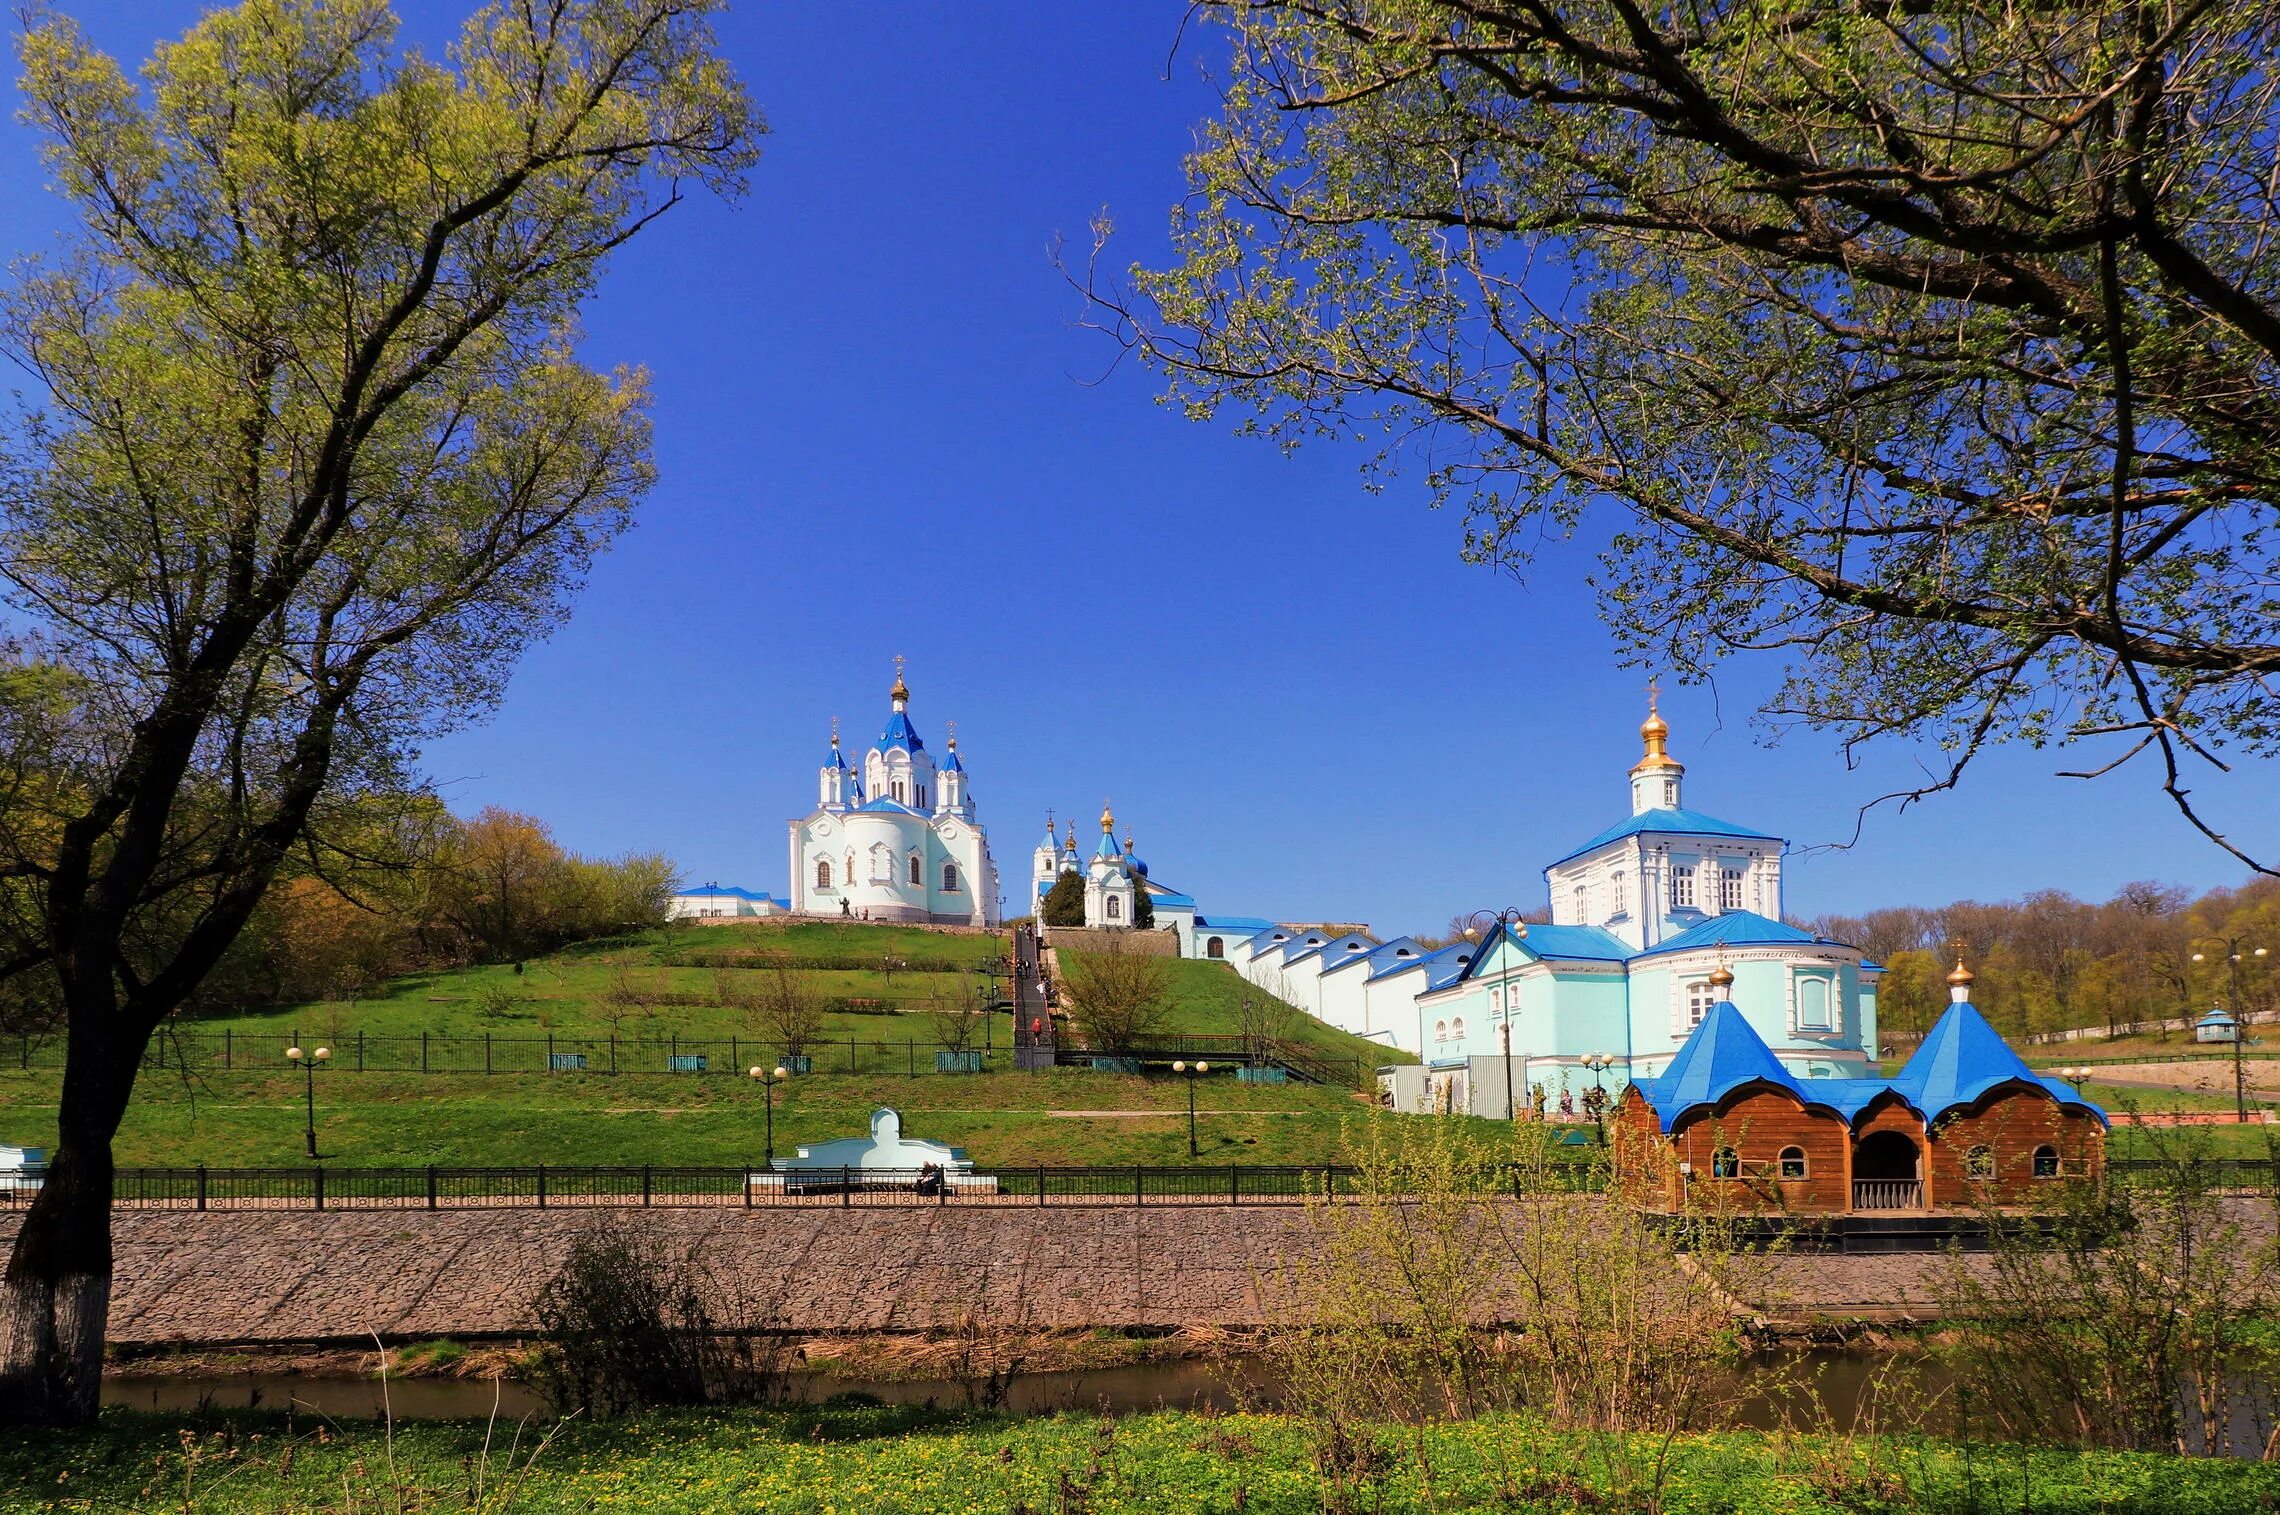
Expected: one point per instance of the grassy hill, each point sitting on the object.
(250, 1112)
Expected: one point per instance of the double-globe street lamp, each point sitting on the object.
(2234, 952)
(1596, 1100)
(768, 1079)
(1190, 1072)
(308, 1062)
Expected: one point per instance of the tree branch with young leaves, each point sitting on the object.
(310, 458)
(1933, 352)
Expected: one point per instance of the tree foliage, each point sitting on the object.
(1065, 901)
(309, 460)
(1118, 999)
(1933, 349)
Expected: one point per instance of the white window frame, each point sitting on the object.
(949, 878)
(1730, 884)
(1681, 886)
(1827, 978)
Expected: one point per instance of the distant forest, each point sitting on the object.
(2052, 962)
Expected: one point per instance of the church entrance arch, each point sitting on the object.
(1887, 1172)
(1215, 948)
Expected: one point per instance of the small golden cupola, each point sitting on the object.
(1960, 982)
(1655, 777)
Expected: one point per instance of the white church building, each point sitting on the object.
(895, 839)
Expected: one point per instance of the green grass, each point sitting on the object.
(857, 1461)
(391, 1120)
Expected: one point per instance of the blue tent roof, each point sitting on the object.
(1723, 1053)
(1680, 822)
(885, 807)
(900, 733)
(832, 759)
(2216, 1018)
(1107, 847)
(951, 764)
(1397, 956)
(1961, 1059)
(1736, 928)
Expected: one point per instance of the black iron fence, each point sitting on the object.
(2217, 1175)
(760, 1186)
(490, 1054)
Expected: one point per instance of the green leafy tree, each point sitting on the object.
(1935, 348)
(311, 460)
(1065, 901)
(1143, 910)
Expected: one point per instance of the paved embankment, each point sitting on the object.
(293, 1276)
(297, 1276)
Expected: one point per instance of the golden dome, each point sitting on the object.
(1655, 732)
(1961, 975)
(1721, 977)
(1107, 821)
(901, 691)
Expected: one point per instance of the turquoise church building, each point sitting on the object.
(1643, 916)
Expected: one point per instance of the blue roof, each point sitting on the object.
(2216, 1018)
(1736, 928)
(951, 764)
(886, 807)
(1723, 1053)
(708, 891)
(1235, 923)
(1444, 966)
(1389, 959)
(1336, 945)
(1171, 897)
(832, 759)
(1107, 847)
(1381, 952)
(1264, 940)
(1961, 1059)
(1681, 822)
(900, 733)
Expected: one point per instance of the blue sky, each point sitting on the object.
(881, 431)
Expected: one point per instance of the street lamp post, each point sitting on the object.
(308, 1062)
(1599, 1063)
(2077, 1077)
(768, 1079)
(1484, 921)
(2233, 953)
(1191, 1072)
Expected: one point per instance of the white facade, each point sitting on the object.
(896, 840)
(723, 902)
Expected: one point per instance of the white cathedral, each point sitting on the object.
(897, 841)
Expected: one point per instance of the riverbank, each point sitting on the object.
(851, 1460)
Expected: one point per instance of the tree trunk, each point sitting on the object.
(55, 1297)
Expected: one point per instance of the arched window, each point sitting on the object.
(1457, 1029)
(2046, 1161)
(949, 878)
(916, 877)
(1582, 904)
(1725, 1163)
(1115, 907)
(898, 791)
(1979, 1163)
(1215, 948)
(1440, 1031)
(823, 873)
(1670, 792)
(1619, 886)
(922, 796)
(1792, 1162)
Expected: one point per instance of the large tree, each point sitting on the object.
(1935, 347)
(311, 459)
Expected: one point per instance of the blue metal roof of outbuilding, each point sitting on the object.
(1961, 1059)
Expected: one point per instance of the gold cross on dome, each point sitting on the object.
(1654, 691)
(898, 665)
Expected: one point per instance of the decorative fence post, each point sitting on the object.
(1040, 1185)
(226, 1047)
(613, 1052)
(431, 1186)
(645, 1183)
(201, 1186)
(423, 1052)
(1234, 1184)
(1139, 1191)
(542, 1186)
(486, 1053)
(318, 1186)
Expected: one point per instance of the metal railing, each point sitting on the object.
(757, 1187)
(1888, 1194)
(488, 1054)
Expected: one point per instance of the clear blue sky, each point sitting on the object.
(881, 431)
